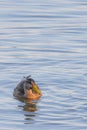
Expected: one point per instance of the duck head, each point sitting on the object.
(31, 89)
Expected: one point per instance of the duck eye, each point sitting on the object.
(30, 87)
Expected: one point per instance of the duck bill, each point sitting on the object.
(36, 89)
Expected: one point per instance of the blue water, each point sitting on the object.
(47, 40)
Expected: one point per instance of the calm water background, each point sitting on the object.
(48, 40)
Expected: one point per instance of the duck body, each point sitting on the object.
(27, 88)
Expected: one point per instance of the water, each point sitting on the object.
(48, 40)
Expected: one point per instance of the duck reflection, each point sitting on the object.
(29, 105)
(29, 108)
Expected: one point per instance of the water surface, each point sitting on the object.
(48, 40)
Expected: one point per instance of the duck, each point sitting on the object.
(28, 89)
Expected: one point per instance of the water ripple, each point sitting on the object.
(46, 39)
